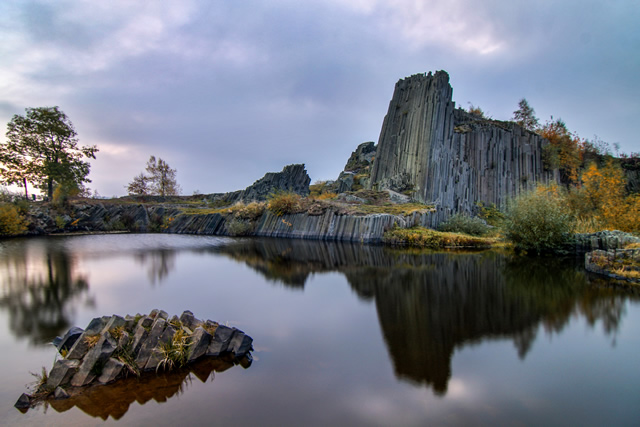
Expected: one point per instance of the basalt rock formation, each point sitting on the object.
(622, 264)
(445, 156)
(293, 178)
(111, 347)
(357, 170)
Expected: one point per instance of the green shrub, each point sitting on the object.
(240, 227)
(156, 222)
(282, 203)
(22, 206)
(539, 221)
(460, 223)
(490, 213)
(11, 222)
(60, 222)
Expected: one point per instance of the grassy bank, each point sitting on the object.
(426, 238)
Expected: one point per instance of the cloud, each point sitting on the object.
(206, 85)
(451, 24)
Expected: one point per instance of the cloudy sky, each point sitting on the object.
(225, 91)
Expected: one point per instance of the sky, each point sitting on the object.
(225, 91)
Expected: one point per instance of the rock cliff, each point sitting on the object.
(356, 172)
(442, 155)
(293, 178)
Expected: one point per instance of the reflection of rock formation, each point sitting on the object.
(431, 303)
(428, 309)
(290, 261)
(114, 399)
(38, 290)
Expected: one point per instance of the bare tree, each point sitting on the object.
(162, 178)
(139, 186)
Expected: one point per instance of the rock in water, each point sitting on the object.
(200, 341)
(24, 402)
(69, 339)
(111, 371)
(60, 393)
(62, 372)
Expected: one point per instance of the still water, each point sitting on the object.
(344, 334)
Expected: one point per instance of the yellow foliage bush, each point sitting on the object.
(604, 191)
(63, 192)
(11, 222)
(283, 203)
(327, 196)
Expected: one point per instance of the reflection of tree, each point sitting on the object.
(160, 261)
(38, 290)
(560, 288)
(430, 303)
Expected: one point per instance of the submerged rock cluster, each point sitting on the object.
(112, 347)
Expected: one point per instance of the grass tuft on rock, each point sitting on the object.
(284, 203)
(39, 386)
(92, 340)
(175, 351)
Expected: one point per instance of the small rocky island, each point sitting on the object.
(114, 347)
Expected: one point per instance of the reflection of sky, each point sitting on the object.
(321, 358)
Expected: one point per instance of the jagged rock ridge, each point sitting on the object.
(293, 178)
(357, 170)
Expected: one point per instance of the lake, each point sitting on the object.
(344, 334)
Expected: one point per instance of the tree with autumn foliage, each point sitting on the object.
(563, 152)
(604, 189)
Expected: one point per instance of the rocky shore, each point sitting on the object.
(619, 264)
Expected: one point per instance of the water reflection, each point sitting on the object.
(40, 287)
(115, 399)
(159, 263)
(430, 303)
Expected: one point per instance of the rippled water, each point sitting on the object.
(343, 334)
